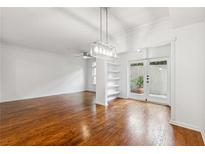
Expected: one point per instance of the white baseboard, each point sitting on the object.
(185, 125)
(188, 126)
(90, 91)
(203, 135)
(99, 103)
(40, 96)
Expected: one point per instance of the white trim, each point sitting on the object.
(155, 45)
(41, 96)
(188, 126)
(152, 23)
(127, 79)
(127, 31)
(100, 103)
(172, 84)
(158, 100)
(150, 45)
(87, 90)
(185, 125)
(158, 103)
(203, 135)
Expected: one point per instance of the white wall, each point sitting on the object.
(101, 79)
(190, 75)
(89, 84)
(203, 121)
(0, 71)
(149, 35)
(203, 108)
(0, 54)
(29, 73)
(119, 40)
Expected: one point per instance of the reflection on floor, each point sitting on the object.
(74, 119)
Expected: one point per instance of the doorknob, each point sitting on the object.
(147, 78)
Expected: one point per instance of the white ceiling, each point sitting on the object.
(58, 29)
(186, 16)
(64, 29)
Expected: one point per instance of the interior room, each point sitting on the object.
(102, 76)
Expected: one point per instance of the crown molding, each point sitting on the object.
(126, 31)
(152, 23)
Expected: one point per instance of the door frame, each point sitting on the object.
(146, 97)
(172, 66)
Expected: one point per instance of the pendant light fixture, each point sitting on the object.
(102, 49)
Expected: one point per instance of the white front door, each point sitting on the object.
(148, 80)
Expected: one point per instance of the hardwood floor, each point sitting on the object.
(74, 119)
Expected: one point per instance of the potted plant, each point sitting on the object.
(137, 84)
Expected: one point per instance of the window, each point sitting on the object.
(94, 73)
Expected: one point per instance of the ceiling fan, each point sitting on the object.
(84, 54)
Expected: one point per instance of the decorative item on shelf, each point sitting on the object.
(103, 49)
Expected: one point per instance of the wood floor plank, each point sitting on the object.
(74, 119)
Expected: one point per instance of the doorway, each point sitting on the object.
(149, 80)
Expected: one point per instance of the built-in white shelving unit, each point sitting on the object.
(107, 80)
(113, 79)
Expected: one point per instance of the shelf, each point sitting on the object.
(113, 71)
(113, 93)
(113, 78)
(111, 63)
(113, 86)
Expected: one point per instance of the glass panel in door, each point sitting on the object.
(136, 80)
(157, 79)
